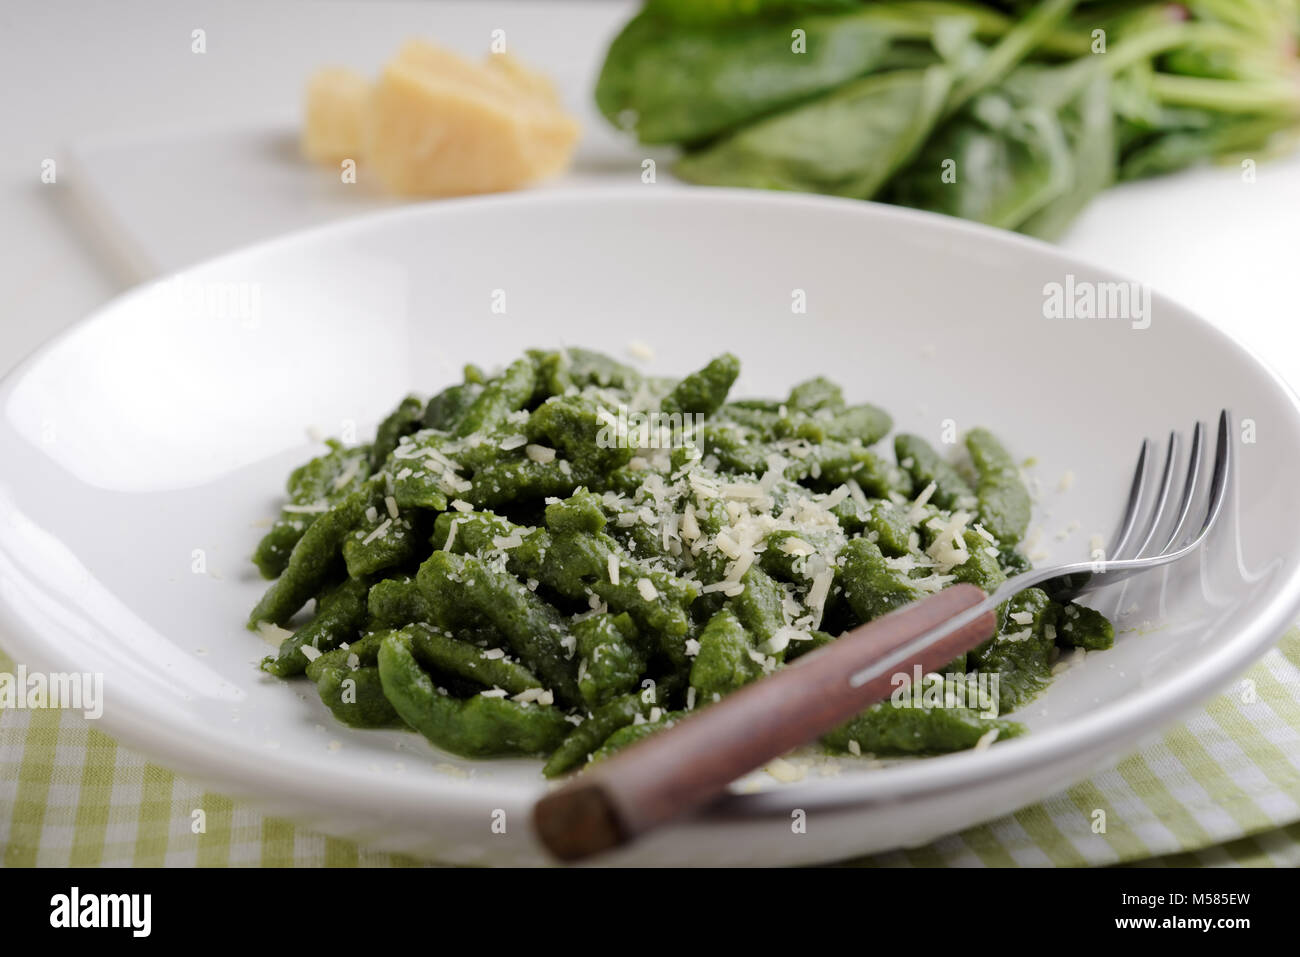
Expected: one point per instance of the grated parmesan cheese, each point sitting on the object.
(796, 546)
(918, 506)
(272, 632)
(348, 474)
(784, 771)
(380, 530)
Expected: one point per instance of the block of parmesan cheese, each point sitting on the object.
(436, 124)
(336, 100)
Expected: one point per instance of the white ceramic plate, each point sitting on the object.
(140, 448)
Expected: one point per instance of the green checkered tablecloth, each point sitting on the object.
(1222, 788)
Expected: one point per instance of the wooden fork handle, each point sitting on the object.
(683, 767)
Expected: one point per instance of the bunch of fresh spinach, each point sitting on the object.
(1014, 113)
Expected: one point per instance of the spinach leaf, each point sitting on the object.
(996, 163)
(847, 143)
(685, 84)
(724, 11)
(1090, 127)
(1179, 148)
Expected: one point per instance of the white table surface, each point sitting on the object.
(80, 79)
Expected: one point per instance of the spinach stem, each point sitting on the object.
(1013, 47)
(1229, 96)
(1144, 46)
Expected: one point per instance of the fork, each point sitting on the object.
(683, 767)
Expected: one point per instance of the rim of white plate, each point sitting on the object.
(298, 777)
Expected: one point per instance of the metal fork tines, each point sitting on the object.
(1146, 538)
(1131, 551)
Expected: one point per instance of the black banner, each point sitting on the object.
(243, 906)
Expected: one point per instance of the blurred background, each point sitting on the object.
(144, 135)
